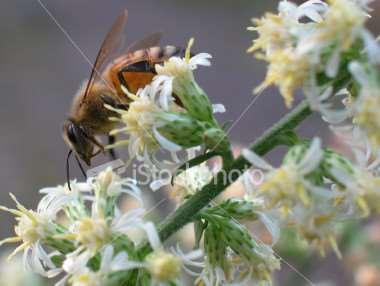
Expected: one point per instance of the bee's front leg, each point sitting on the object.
(111, 140)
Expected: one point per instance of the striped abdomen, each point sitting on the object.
(137, 69)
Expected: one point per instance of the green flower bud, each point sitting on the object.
(216, 139)
(215, 247)
(182, 129)
(194, 99)
(333, 162)
(236, 208)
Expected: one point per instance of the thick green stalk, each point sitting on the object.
(269, 140)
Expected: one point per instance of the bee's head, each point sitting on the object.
(78, 140)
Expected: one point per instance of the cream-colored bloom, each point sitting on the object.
(177, 67)
(286, 186)
(277, 44)
(341, 26)
(108, 184)
(78, 274)
(141, 120)
(190, 181)
(32, 228)
(166, 266)
(13, 273)
(280, 31)
(361, 190)
(317, 225)
(239, 272)
(288, 70)
(163, 266)
(366, 104)
(367, 114)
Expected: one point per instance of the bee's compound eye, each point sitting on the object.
(72, 133)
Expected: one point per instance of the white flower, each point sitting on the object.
(177, 67)
(311, 9)
(32, 228)
(317, 224)
(142, 121)
(141, 118)
(190, 181)
(13, 273)
(165, 267)
(78, 274)
(57, 198)
(280, 31)
(278, 40)
(108, 184)
(361, 190)
(366, 105)
(163, 179)
(332, 106)
(240, 272)
(286, 186)
(342, 23)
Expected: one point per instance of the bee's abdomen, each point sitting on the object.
(169, 51)
(136, 69)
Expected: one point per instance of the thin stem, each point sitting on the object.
(269, 140)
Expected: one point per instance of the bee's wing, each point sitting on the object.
(110, 45)
(151, 40)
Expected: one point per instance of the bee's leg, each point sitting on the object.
(121, 78)
(111, 140)
(113, 102)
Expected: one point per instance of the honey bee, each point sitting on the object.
(133, 68)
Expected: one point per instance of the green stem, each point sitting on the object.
(269, 140)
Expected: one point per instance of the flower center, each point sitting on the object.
(29, 228)
(93, 232)
(140, 120)
(164, 266)
(86, 279)
(368, 117)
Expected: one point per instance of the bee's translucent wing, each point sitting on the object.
(110, 46)
(151, 40)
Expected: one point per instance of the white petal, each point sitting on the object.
(332, 65)
(312, 157)
(152, 235)
(218, 108)
(165, 143)
(371, 46)
(256, 160)
(272, 226)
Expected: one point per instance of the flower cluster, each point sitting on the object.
(325, 50)
(172, 113)
(313, 190)
(83, 236)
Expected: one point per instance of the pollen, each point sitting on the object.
(164, 266)
(139, 121)
(93, 232)
(29, 228)
(272, 33)
(341, 20)
(368, 117)
(288, 71)
(283, 185)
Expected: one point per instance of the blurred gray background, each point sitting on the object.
(40, 72)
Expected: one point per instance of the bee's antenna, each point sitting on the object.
(81, 167)
(68, 169)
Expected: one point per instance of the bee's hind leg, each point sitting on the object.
(112, 153)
